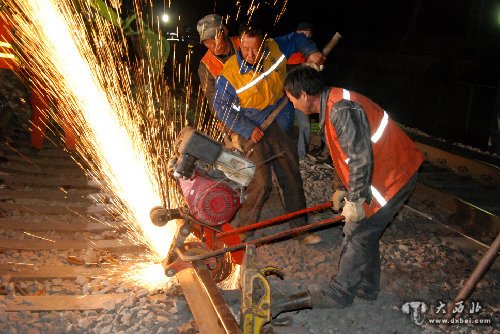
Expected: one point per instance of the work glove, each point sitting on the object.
(337, 198)
(353, 211)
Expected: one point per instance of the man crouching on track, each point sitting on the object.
(377, 165)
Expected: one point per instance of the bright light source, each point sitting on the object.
(164, 18)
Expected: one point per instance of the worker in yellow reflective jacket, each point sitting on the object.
(249, 87)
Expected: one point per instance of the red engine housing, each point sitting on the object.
(211, 202)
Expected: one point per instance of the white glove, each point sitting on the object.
(353, 211)
(337, 198)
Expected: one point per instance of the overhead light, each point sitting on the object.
(164, 18)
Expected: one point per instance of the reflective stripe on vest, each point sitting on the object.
(378, 196)
(5, 44)
(4, 50)
(383, 123)
(262, 76)
(346, 95)
(7, 55)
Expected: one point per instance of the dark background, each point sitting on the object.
(432, 64)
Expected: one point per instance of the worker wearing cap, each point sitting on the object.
(248, 89)
(214, 35)
(377, 165)
(306, 29)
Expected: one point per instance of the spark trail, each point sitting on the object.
(77, 61)
(123, 116)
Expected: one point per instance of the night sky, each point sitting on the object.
(443, 17)
(434, 65)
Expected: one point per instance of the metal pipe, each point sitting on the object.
(478, 273)
(275, 220)
(258, 241)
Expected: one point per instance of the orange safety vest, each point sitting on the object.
(213, 64)
(7, 58)
(396, 157)
(296, 58)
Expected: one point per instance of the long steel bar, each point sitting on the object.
(259, 241)
(272, 221)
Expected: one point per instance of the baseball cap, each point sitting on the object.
(208, 26)
(304, 26)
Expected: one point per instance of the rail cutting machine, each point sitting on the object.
(213, 179)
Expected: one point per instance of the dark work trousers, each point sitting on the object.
(359, 263)
(286, 168)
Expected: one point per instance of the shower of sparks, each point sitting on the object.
(124, 117)
(148, 275)
(232, 282)
(281, 13)
(252, 8)
(78, 60)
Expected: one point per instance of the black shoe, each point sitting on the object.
(322, 299)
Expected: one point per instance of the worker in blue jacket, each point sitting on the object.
(248, 89)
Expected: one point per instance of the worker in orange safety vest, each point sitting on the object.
(14, 95)
(214, 35)
(8, 59)
(377, 165)
(40, 100)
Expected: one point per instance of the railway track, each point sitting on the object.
(63, 254)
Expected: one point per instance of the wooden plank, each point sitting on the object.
(58, 210)
(77, 195)
(15, 166)
(44, 172)
(38, 244)
(61, 302)
(474, 167)
(471, 219)
(20, 272)
(21, 224)
(31, 160)
(46, 152)
(43, 181)
(68, 303)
